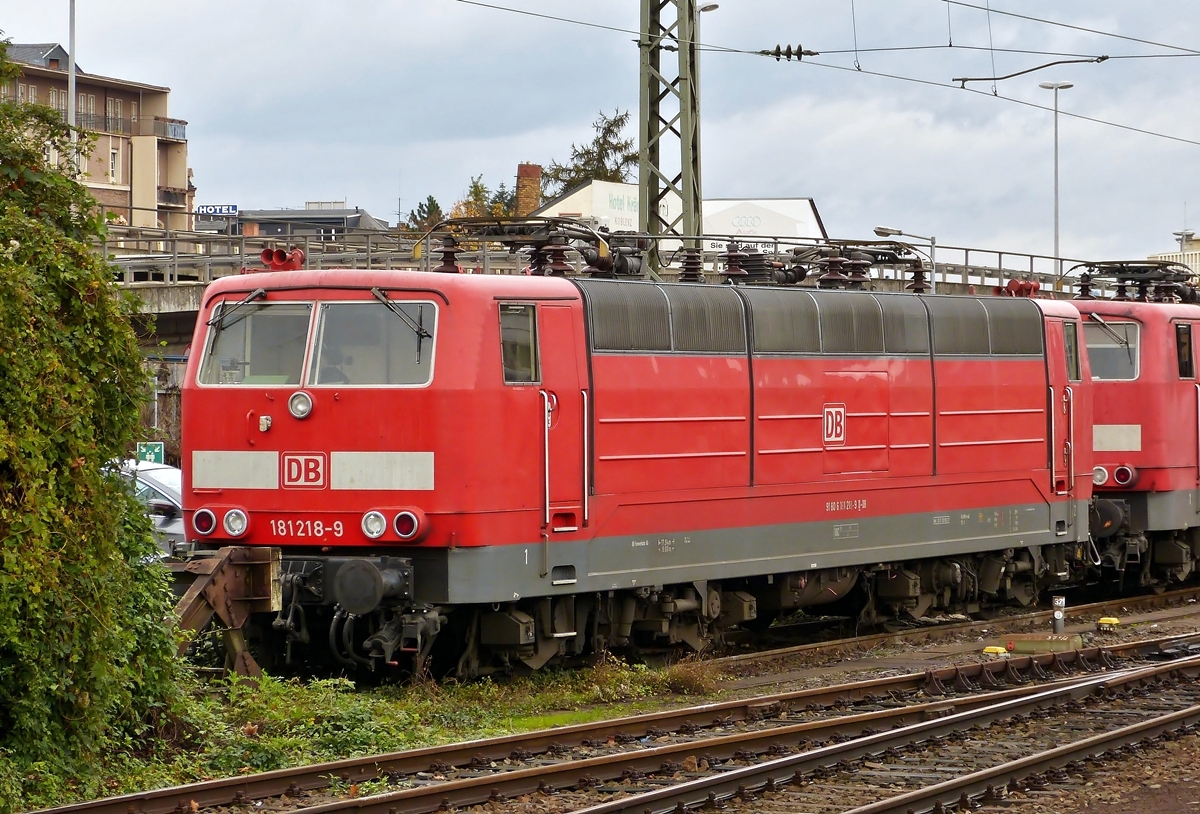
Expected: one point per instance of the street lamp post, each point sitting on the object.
(1056, 87)
(71, 85)
(885, 231)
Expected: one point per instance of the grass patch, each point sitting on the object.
(237, 727)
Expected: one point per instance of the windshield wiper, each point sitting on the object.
(1116, 337)
(417, 327)
(219, 319)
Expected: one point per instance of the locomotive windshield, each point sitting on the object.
(259, 344)
(1112, 350)
(373, 343)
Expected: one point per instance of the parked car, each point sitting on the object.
(158, 487)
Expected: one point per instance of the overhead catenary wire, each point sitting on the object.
(991, 47)
(884, 49)
(1084, 29)
(1022, 102)
(896, 77)
(854, 28)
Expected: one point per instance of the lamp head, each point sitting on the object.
(709, 7)
(1056, 85)
(884, 231)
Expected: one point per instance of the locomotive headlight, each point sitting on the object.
(1099, 476)
(204, 521)
(300, 404)
(235, 522)
(374, 525)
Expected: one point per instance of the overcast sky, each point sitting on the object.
(382, 102)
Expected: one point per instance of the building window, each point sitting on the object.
(21, 92)
(53, 97)
(114, 166)
(4, 92)
(33, 94)
(112, 109)
(133, 111)
(1183, 351)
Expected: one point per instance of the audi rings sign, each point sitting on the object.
(761, 217)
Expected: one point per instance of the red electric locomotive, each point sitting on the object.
(511, 469)
(1146, 431)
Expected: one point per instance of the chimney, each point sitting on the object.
(529, 189)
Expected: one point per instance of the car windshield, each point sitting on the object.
(257, 344)
(374, 343)
(1112, 350)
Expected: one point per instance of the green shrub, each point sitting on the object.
(86, 661)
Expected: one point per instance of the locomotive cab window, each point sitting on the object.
(1112, 349)
(1071, 346)
(255, 343)
(518, 343)
(1183, 350)
(373, 343)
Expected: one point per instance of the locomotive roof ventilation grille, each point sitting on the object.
(1015, 326)
(905, 324)
(997, 326)
(850, 323)
(785, 320)
(627, 316)
(706, 319)
(837, 322)
(637, 316)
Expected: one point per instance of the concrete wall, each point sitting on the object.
(145, 180)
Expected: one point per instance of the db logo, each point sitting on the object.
(303, 470)
(835, 425)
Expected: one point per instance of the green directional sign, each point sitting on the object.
(151, 451)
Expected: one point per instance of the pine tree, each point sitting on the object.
(608, 157)
(427, 215)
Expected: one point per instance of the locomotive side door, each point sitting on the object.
(565, 428)
(1063, 371)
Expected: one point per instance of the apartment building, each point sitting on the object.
(138, 170)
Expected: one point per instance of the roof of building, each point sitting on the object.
(35, 58)
(357, 217)
(549, 204)
(37, 53)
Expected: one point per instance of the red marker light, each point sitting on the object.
(406, 525)
(204, 521)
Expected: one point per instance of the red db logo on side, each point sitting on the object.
(835, 425)
(303, 470)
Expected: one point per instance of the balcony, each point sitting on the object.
(98, 123)
(172, 197)
(173, 129)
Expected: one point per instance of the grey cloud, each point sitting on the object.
(292, 101)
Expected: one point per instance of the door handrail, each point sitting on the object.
(546, 411)
(585, 422)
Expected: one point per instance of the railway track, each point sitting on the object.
(747, 662)
(963, 761)
(600, 753)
